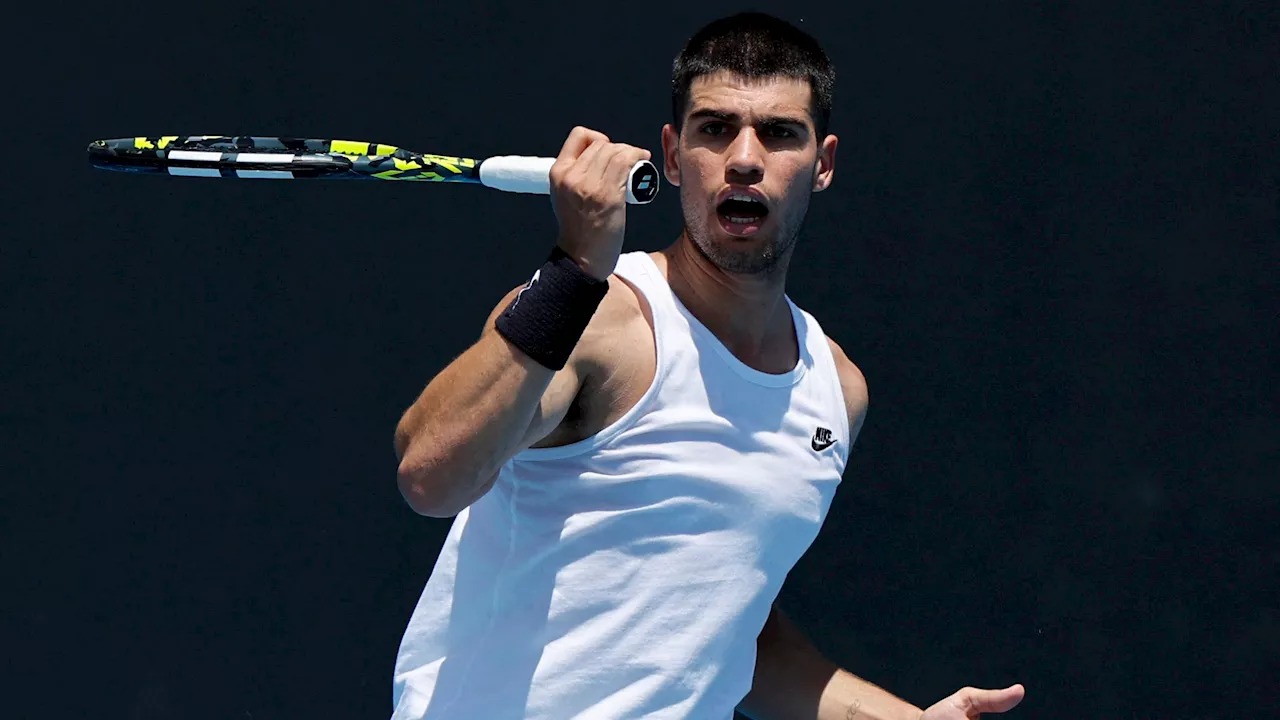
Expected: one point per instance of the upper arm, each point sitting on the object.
(854, 387)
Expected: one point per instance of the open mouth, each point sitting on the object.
(742, 215)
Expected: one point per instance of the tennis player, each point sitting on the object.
(640, 446)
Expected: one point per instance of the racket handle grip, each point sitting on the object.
(518, 173)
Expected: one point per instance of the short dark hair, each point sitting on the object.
(754, 45)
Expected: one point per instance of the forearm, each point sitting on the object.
(848, 696)
(466, 423)
(793, 681)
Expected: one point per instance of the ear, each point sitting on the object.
(824, 170)
(671, 154)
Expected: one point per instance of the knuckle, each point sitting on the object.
(634, 155)
(580, 188)
(621, 160)
(560, 176)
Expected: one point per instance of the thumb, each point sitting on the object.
(975, 701)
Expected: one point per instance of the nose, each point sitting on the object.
(746, 157)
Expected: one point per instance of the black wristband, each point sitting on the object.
(550, 314)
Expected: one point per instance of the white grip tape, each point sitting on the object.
(516, 173)
(521, 174)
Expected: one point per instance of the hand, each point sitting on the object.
(589, 196)
(969, 703)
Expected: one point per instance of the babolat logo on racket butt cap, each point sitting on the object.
(644, 182)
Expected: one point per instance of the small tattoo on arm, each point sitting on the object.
(853, 709)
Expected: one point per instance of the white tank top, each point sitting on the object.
(629, 574)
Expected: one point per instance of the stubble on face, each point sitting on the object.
(756, 255)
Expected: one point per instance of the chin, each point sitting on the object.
(756, 252)
(752, 255)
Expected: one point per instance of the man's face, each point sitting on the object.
(747, 138)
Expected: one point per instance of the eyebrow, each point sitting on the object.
(735, 118)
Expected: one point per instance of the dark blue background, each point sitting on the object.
(1051, 247)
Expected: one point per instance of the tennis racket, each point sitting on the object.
(284, 158)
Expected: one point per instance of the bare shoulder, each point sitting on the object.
(854, 386)
(621, 305)
(614, 327)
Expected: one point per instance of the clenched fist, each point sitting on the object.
(589, 197)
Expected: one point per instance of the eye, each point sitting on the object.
(778, 131)
(714, 128)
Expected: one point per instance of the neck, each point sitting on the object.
(748, 313)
